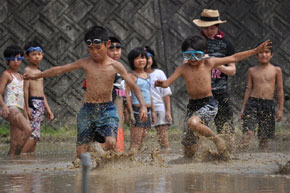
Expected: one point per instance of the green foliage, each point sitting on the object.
(4, 130)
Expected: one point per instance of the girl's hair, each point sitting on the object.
(135, 53)
(151, 51)
(13, 51)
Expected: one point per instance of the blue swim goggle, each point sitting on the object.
(18, 58)
(190, 54)
(31, 49)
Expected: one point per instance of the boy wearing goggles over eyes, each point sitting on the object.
(202, 107)
(118, 93)
(97, 119)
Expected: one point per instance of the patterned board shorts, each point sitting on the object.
(95, 122)
(38, 109)
(260, 112)
(206, 109)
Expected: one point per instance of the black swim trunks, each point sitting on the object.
(260, 112)
(206, 109)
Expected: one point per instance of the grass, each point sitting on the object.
(70, 132)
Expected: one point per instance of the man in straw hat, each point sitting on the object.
(218, 46)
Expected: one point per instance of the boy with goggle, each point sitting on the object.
(202, 107)
(193, 54)
(97, 119)
(36, 104)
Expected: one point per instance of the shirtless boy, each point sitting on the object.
(98, 118)
(35, 99)
(258, 105)
(196, 73)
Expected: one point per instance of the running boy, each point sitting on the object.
(202, 106)
(12, 107)
(258, 105)
(35, 100)
(98, 118)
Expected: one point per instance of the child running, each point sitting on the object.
(202, 107)
(11, 86)
(35, 99)
(97, 119)
(138, 61)
(258, 105)
(118, 93)
(161, 100)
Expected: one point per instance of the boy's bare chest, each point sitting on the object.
(196, 74)
(105, 72)
(264, 76)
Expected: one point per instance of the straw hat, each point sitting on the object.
(208, 18)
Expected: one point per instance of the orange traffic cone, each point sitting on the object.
(120, 140)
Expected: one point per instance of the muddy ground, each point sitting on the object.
(275, 159)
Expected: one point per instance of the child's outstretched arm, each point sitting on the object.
(55, 70)
(280, 94)
(215, 62)
(166, 83)
(247, 93)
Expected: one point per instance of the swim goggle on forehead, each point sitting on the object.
(12, 58)
(112, 46)
(190, 54)
(94, 41)
(31, 49)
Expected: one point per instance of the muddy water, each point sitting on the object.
(51, 170)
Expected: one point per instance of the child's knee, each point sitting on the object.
(193, 122)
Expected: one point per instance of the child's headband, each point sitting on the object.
(31, 49)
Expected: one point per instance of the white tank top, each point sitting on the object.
(13, 94)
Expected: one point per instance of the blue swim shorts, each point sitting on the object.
(96, 121)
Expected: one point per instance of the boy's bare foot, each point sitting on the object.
(220, 144)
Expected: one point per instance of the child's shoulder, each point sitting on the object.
(6, 75)
(277, 68)
(30, 68)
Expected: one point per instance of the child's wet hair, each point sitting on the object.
(31, 44)
(195, 42)
(96, 32)
(151, 51)
(114, 39)
(271, 49)
(13, 50)
(135, 53)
